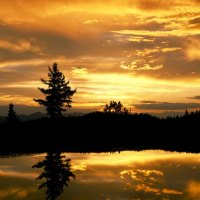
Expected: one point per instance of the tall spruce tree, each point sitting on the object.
(58, 94)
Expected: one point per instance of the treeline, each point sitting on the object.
(100, 131)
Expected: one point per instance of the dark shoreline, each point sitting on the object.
(100, 132)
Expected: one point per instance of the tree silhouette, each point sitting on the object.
(58, 94)
(186, 112)
(115, 107)
(12, 117)
(57, 172)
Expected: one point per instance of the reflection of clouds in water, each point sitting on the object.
(18, 192)
(141, 180)
(148, 181)
(170, 191)
(141, 174)
(155, 175)
(98, 174)
(79, 167)
(131, 158)
(145, 188)
(158, 178)
(19, 167)
(26, 175)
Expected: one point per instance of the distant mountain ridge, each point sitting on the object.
(37, 115)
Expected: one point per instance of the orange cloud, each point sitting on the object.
(192, 50)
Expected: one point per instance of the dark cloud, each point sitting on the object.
(195, 21)
(149, 25)
(166, 106)
(194, 97)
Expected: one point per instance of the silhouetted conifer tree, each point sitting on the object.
(12, 117)
(186, 112)
(58, 94)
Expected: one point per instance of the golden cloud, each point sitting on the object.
(192, 50)
(79, 71)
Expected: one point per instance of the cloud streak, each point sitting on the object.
(153, 105)
(194, 97)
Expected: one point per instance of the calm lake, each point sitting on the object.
(129, 175)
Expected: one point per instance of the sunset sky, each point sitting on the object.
(145, 53)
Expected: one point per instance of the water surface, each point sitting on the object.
(144, 175)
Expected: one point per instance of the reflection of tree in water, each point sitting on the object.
(56, 172)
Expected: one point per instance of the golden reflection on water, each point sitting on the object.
(144, 175)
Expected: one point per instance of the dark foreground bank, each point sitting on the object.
(102, 132)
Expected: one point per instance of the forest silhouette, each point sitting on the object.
(115, 128)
